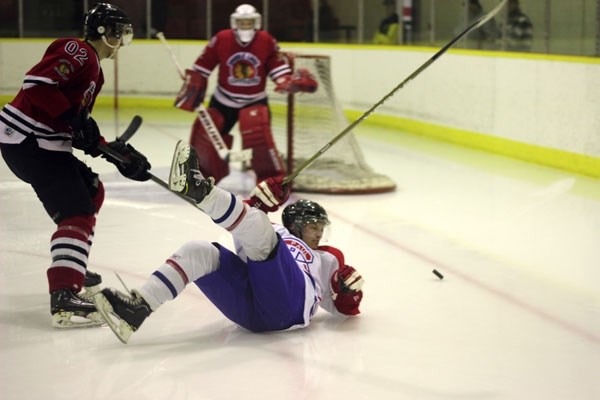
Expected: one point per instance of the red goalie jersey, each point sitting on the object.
(243, 70)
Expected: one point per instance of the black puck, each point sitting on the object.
(437, 273)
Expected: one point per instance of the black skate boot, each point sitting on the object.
(185, 176)
(129, 311)
(91, 286)
(71, 311)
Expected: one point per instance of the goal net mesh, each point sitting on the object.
(303, 123)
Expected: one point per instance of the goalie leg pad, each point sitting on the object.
(208, 159)
(255, 126)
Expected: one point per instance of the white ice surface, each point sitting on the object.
(517, 315)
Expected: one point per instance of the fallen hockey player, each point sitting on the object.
(275, 280)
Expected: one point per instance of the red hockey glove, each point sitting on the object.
(284, 84)
(301, 81)
(86, 135)
(137, 167)
(305, 81)
(269, 194)
(346, 285)
(192, 92)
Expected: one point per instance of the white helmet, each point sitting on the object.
(244, 30)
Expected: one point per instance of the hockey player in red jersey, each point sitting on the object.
(246, 57)
(38, 129)
(277, 278)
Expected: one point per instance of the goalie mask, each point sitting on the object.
(104, 20)
(303, 212)
(245, 21)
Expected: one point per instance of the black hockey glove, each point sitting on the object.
(86, 134)
(137, 166)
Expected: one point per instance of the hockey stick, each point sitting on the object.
(205, 119)
(115, 156)
(134, 125)
(481, 20)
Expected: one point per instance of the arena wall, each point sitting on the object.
(540, 108)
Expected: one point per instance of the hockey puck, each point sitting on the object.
(437, 273)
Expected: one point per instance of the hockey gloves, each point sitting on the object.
(86, 134)
(192, 92)
(269, 194)
(137, 164)
(346, 285)
(301, 81)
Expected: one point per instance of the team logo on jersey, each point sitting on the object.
(243, 69)
(88, 95)
(299, 250)
(64, 68)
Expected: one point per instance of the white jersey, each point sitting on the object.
(318, 266)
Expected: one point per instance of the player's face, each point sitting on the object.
(312, 233)
(113, 45)
(126, 34)
(122, 35)
(245, 24)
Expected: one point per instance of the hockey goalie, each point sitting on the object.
(245, 56)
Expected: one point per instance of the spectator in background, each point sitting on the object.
(388, 27)
(486, 35)
(328, 22)
(327, 19)
(519, 29)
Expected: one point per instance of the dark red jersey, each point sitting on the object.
(66, 80)
(243, 70)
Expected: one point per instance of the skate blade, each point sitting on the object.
(89, 292)
(69, 320)
(119, 327)
(177, 176)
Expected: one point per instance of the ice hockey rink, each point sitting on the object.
(517, 315)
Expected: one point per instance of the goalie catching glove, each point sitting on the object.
(192, 92)
(301, 81)
(269, 194)
(137, 165)
(346, 285)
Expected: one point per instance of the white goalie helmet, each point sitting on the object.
(245, 21)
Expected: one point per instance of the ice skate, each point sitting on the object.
(91, 286)
(185, 176)
(123, 313)
(72, 311)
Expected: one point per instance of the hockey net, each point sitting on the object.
(303, 123)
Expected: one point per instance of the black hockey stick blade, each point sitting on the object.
(478, 22)
(134, 125)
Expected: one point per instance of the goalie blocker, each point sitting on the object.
(255, 128)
